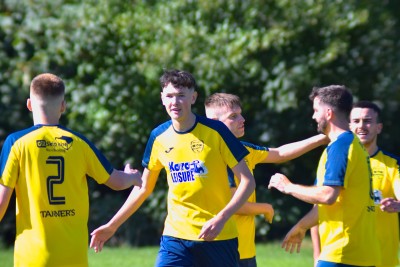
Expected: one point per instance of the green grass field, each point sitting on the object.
(270, 254)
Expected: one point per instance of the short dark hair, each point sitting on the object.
(47, 85)
(336, 96)
(179, 79)
(370, 105)
(223, 100)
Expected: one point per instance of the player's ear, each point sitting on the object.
(380, 127)
(63, 106)
(194, 97)
(29, 104)
(329, 113)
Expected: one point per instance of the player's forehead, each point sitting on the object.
(317, 103)
(170, 89)
(363, 113)
(228, 110)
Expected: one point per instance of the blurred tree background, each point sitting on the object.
(271, 53)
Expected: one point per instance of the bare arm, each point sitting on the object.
(5, 195)
(310, 194)
(252, 209)
(296, 235)
(315, 243)
(213, 227)
(120, 180)
(296, 149)
(134, 201)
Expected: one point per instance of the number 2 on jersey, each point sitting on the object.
(55, 180)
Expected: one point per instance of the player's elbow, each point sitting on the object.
(329, 194)
(119, 187)
(118, 184)
(252, 184)
(328, 199)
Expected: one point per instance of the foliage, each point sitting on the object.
(271, 53)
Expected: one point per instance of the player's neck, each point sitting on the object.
(184, 124)
(42, 118)
(371, 148)
(336, 129)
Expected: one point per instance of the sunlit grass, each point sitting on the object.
(269, 254)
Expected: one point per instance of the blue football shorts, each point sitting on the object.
(250, 262)
(188, 253)
(333, 264)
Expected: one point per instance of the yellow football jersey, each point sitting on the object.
(385, 170)
(246, 224)
(48, 166)
(347, 227)
(196, 162)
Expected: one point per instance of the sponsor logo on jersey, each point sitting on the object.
(57, 213)
(186, 171)
(61, 143)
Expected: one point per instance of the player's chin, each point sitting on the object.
(364, 139)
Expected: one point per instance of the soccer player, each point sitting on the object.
(195, 152)
(343, 198)
(228, 109)
(47, 165)
(365, 122)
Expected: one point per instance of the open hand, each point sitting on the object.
(293, 239)
(100, 236)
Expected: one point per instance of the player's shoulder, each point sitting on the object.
(344, 141)
(346, 137)
(388, 155)
(15, 136)
(161, 128)
(210, 123)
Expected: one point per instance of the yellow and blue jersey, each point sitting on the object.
(246, 224)
(48, 165)
(195, 162)
(347, 228)
(385, 170)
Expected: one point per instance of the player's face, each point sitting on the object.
(320, 112)
(233, 119)
(178, 102)
(364, 123)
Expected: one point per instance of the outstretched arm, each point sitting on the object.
(296, 149)
(213, 227)
(134, 201)
(310, 194)
(5, 195)
(120, 180)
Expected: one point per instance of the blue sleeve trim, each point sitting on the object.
(104, 161)
(231, 178)
(255, 147)
(150, 142)
(395, 157)
(238, 150)
(8, 144)
(337, 160)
